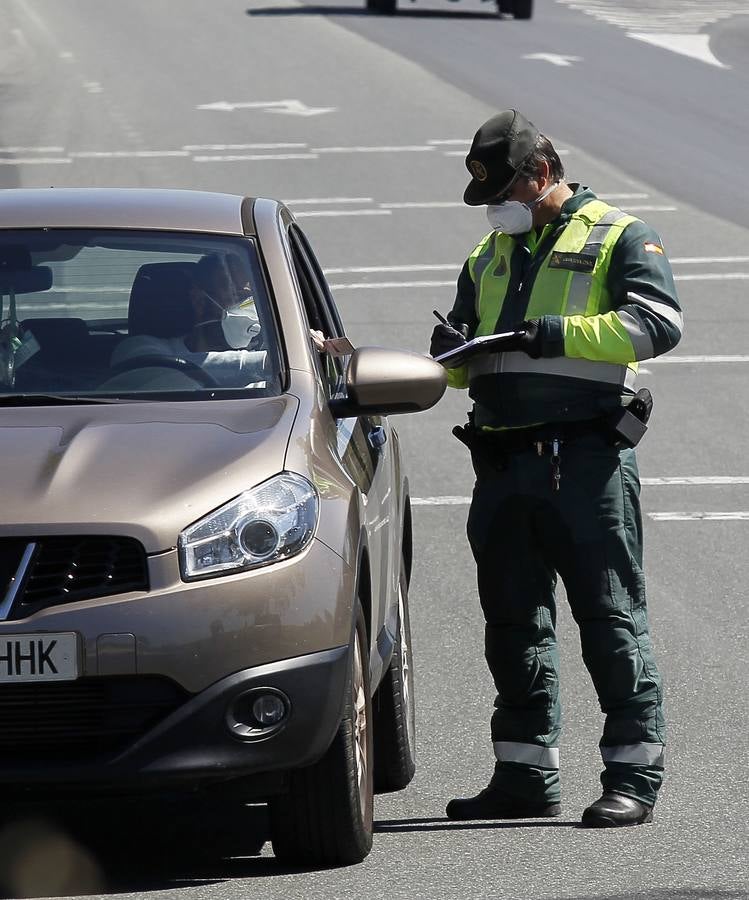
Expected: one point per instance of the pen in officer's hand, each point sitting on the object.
(441, 318)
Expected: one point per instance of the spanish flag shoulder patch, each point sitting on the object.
(651, 247)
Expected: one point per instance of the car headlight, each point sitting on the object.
(271, 522)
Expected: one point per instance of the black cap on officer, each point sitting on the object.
(499, 149)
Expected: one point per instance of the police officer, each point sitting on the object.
(587, 292)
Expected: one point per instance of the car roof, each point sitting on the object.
(137, 208)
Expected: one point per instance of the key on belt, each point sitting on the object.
(556, 460)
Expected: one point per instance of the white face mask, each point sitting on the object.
(239, 327)
(238, 324)
(512, 216)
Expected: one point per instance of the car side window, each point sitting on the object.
(329, 302)
(321, 315)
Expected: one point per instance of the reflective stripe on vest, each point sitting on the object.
(635, 754)
(527, 754)
(579, 288)
(559, 366)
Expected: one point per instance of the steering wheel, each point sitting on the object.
(153, 360)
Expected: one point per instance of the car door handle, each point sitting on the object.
(377, 437)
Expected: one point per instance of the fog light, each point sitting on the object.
(258, 713)
(268, 709)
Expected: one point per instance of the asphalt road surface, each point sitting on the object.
(361, 124)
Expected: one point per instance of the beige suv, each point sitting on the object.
(205, 538)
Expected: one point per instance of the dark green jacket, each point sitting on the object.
(639, 281)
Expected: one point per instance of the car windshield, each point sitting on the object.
(133, 315)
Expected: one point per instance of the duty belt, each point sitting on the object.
(493, 447)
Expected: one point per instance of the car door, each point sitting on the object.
(365, 449)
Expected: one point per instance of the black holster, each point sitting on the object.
(628, 424)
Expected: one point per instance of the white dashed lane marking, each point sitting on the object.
(673, 516)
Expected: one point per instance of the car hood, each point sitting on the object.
(145, 469)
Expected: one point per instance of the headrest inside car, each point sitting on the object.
(161, 301)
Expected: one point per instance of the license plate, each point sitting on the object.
(38, 657)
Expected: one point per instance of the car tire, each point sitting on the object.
(394, 709)
(383, 7)
(505, 7)
(522, 9)
(326, 818)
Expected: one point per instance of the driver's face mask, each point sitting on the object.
(239, 323)
(514, 217)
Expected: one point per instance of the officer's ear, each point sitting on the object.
(542, 178)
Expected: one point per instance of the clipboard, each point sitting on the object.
(486, 343)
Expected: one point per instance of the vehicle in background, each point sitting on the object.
(519, 9)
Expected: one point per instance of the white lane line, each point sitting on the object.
(699, 516)
(403, 149)
(711, 480)
(623, 196)
(437, 204)
(699, 260)
(193, 148)
(311, 200)
(36, 161)
(392, 284)
(697, 359)
(368, 270)
(467, 143)
(656, 516)
(32, 149)
(440, 501)
(330, 213)
(93, 87)
(125, 154)
(253, 157)
(713, 276)
(651, 208)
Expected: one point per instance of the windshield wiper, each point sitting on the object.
(53, 400)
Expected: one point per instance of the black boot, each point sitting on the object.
(613, 810)
(492, 803)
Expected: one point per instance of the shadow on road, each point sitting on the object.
(361, 11)
(397, 825)
(113, 849)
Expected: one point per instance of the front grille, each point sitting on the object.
(80, 720)
(70, 568)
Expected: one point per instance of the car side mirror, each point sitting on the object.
(386, 382)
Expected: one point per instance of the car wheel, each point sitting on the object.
(326, 816)
(384, 7)
(394, 708)
(522, 9)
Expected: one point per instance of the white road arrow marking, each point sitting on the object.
(554, 58)
(695, 45)
(285, 107)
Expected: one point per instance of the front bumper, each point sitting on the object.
(193, 746)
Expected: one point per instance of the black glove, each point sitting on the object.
(528, 339)
(445, 338)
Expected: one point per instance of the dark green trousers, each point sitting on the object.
(523, 535)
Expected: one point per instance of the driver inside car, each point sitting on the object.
(226, 332)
